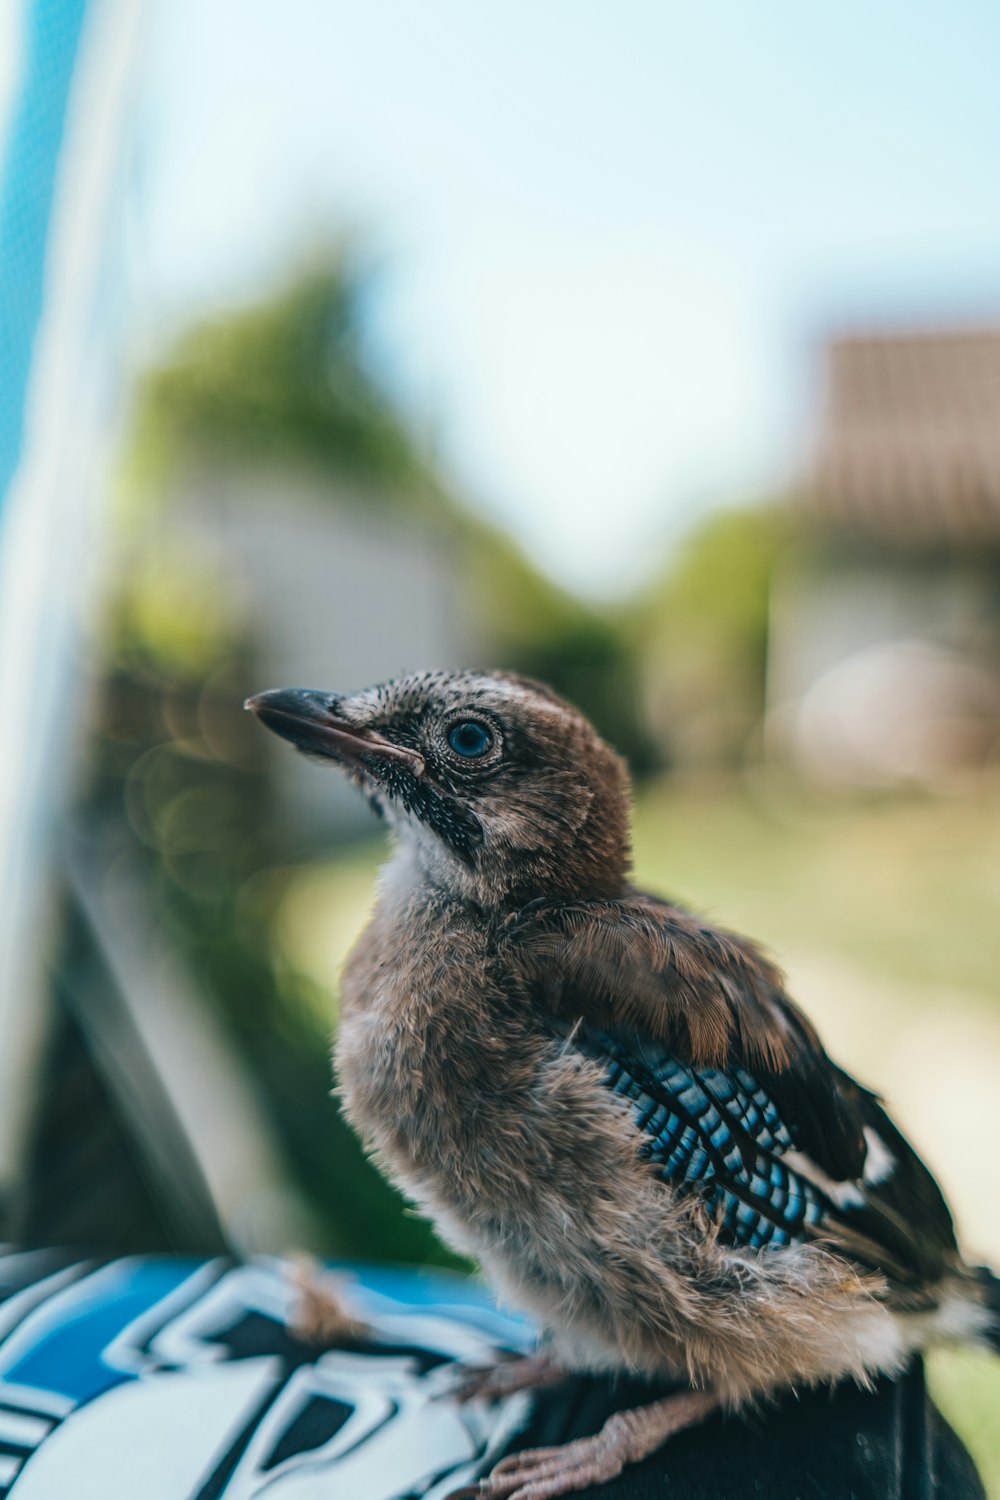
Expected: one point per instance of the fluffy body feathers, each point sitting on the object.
(613, 1106)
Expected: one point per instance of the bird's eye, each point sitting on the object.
(470, 738)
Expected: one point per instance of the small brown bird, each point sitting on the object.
(613, 1106)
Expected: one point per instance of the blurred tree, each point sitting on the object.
(704, 632)
(287, 380)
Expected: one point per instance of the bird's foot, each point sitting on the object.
(494, 1382)
(320, 1316)
(626, 1437)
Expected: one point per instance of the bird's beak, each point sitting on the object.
(307, 720)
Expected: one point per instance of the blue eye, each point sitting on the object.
(470, 738)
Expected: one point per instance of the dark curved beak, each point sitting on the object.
(309, 721)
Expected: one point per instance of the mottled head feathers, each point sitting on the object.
(503, 790)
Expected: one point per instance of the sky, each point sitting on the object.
(610, 238)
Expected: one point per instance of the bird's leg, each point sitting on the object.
(540, 1473)
(530, 1372)
(320, 1317)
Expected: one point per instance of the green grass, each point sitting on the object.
(905, 888)
(885, 912)
(965, 1384)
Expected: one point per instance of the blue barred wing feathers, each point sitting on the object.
(737, 1102)
(717, 1136)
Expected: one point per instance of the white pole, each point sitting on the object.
(56, 374)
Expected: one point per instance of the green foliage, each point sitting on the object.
(175, 612)
(284, 381)
(704, 627)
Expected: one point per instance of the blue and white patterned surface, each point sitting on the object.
(180, 1380)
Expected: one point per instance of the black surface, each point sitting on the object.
(847, 1444)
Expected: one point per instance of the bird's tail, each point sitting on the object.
(982, 1286)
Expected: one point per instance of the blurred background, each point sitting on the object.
(651, 350)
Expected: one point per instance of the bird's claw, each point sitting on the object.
(505, 1378)
(475, 1385)
(542, 1473)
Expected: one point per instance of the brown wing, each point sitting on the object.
(643, 966)
(712, 997)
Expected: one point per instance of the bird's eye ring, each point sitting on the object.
(470, 738)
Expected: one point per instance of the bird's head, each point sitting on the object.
(503, 791)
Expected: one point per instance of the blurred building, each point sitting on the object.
(884, 657)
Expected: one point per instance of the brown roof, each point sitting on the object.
(909, 446)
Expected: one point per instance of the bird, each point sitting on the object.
(612, 1105)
